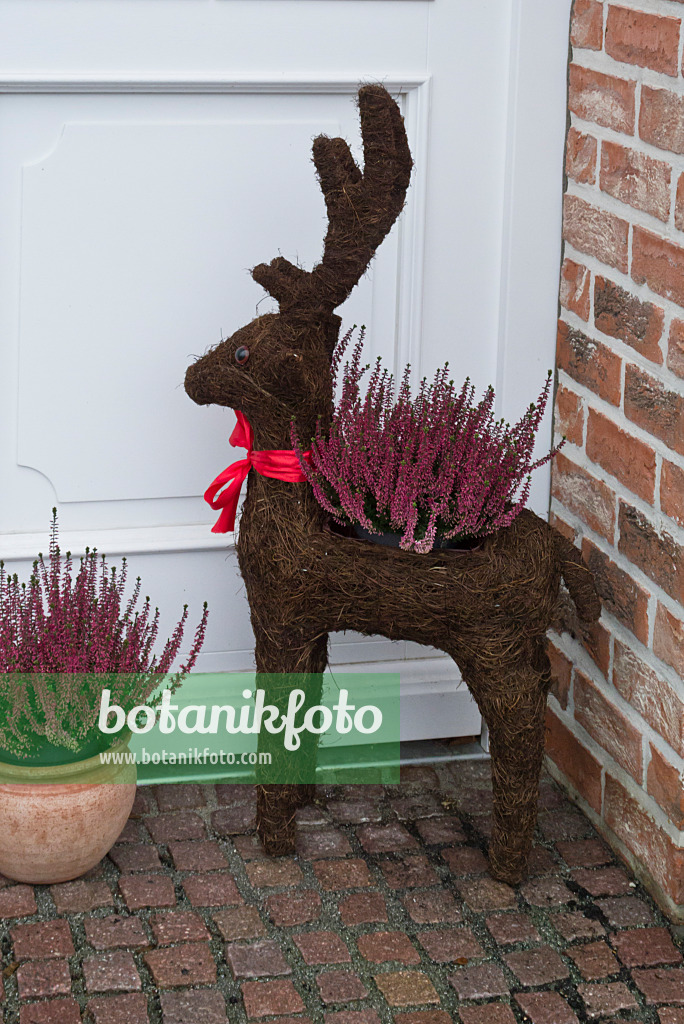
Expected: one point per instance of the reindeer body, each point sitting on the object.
(489, 609)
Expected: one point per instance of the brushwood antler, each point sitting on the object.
(362, 207)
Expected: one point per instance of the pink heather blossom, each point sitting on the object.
(434, 464)
(64, 637)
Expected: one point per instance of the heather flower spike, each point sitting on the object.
(438, 463)
(62, 633)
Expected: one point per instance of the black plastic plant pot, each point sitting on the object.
(391, 540)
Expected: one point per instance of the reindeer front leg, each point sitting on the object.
(513, 704)
(286, 660)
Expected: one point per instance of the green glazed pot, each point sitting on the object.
(46, 754)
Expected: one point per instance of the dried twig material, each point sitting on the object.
(489, 609)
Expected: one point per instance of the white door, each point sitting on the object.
(151, 152)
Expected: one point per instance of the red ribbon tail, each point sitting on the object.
(234, 476)
(225, 522)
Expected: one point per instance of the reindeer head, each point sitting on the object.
(278, 366)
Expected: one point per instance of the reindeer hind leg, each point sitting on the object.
(513, 704)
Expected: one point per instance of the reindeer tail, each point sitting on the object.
(578, 579)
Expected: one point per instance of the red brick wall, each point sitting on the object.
(616, 714)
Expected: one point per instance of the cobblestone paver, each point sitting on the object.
(385, 915)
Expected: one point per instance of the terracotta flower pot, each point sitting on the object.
(57, 822)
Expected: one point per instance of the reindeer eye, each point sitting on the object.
(241, 355)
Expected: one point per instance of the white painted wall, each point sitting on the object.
(152, 151)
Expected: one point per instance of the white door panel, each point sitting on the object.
(133, 240)
(151, 152)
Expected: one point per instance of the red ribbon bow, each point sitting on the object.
(281, 464)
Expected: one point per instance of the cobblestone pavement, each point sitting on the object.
(386, 914)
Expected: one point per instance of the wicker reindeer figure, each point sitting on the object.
(489, 609)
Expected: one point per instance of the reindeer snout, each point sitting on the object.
(194, 385)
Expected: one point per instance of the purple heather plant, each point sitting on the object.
(436, 464)
(64, 637)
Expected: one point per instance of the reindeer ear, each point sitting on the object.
(287, 370)
(295, 373)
